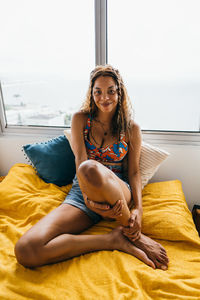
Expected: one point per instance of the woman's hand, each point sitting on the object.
(133, 231)
(105, 210)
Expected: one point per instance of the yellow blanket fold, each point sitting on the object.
(103, 275)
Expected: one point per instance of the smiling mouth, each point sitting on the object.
(106, 104)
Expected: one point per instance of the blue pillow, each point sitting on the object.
(54, 160)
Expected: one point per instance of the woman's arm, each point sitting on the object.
(77, 138)
(133, 231)
(134, 176)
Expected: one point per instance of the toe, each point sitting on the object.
(164, 256)
(164, 268)
(161, 265)
(143, 257)
(163, 259)
(163, 250)
(150, 263)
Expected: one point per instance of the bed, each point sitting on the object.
(25, 198)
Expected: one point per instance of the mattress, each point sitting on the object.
(25, 199)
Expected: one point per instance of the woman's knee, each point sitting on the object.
(90, 171)
(27, 252)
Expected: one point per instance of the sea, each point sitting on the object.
(50, 101)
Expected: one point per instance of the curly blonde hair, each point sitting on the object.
(124, 112)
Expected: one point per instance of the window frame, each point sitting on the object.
(101, 51)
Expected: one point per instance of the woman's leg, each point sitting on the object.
(55, 238)
(33, 247)
(101, 185)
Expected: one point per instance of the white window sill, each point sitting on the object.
(155, 137)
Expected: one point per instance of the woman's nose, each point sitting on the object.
(104, 96)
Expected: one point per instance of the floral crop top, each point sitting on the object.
(112, 153)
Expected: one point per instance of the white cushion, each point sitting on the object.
(67, 133)
(150, 159)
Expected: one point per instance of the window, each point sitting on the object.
(46, 54)
(48, 50)
(156, 46)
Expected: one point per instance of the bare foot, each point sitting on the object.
(153, 250)
(120, 242)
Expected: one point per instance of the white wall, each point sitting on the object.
(182, 164)
(11, 150)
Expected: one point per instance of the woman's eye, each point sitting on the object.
(112, 92)
(97, 92)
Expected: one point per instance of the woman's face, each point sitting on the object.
(105, 94)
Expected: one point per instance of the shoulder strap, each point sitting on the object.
(122, 136)
(88, 125)
(89, 120)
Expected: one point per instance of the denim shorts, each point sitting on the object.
(75, 198)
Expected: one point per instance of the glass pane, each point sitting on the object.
(156, 46)
(46, 55)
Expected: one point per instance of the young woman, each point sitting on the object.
(104, 136)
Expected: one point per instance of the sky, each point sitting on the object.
(157, 39)
(146, 39)
(52, 36)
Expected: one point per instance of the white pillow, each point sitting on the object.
(150, 159)
(67, 133)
